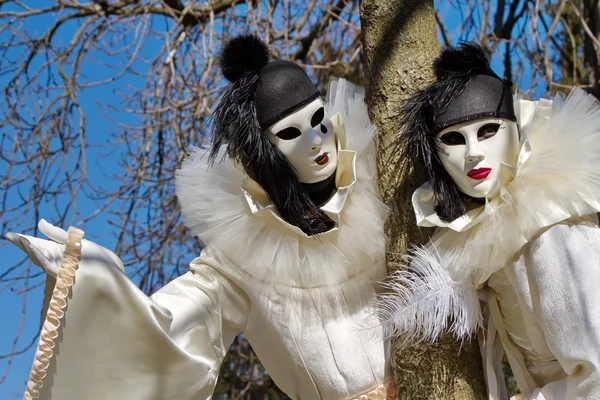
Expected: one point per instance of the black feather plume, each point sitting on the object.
(420, 149)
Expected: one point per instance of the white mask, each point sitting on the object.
(307, 140)
(473, 152)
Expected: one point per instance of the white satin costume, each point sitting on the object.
(303, 303)
(532, 254)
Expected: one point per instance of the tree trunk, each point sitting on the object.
(591, 15)
(400, 42)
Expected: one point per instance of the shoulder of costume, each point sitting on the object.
(347, 101)
(346, 105)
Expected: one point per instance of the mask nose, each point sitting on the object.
(474, 154)
(316, 141)
(475, 159)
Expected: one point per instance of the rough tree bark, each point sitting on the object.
(400, 42)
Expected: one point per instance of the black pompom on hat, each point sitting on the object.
(247, 54)
(244, 54)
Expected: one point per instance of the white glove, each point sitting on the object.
(43, 253)
(48, 253)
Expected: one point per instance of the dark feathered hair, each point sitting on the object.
(453, 69)
(235, 124)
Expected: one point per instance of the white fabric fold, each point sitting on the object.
(117, 343)
(554, 343)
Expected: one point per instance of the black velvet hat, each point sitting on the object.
(465, 89)
(259, 94)
(279, 77)
(248, 55)
(484, 96)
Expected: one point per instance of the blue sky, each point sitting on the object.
(103, 166)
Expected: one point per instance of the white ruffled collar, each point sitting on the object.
(555, 178)
(345, 178)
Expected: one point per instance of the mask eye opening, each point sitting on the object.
(317, 117)
(288, 133)
(487, 131)
(453, 138)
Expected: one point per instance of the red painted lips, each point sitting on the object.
(322, 160)
(479, 173)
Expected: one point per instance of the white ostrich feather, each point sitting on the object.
(422, 302)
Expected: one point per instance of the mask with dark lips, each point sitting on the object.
(274, 124)
(307, 140)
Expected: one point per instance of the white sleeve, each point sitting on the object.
(115, 342)
(565, 262)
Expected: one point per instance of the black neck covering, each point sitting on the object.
(320, 192)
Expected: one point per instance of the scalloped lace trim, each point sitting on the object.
(385, 391)
(58, 302)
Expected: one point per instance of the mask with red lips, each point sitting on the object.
(473, 153)
(461, 129)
